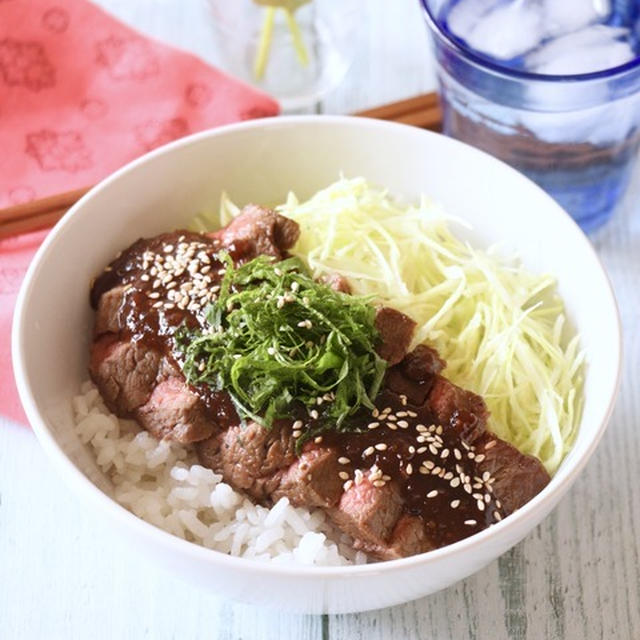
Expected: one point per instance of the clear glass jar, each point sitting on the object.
(296, 56)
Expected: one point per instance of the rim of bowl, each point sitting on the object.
(503, 70)
(560, 482)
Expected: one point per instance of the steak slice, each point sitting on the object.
(396, 332)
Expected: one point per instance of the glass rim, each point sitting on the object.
(471, 56)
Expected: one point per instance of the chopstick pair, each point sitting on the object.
(420, 111)
(37, 214)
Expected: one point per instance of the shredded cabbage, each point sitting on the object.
(501, 329)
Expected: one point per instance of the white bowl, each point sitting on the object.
(260, 162)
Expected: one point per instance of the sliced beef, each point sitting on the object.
(259, 231)
(396, 332)
(518, 477)
(369, 514)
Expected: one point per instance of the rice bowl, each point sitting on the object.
(342, 143)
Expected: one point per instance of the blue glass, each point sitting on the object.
(577, 136)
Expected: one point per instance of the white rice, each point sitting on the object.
(163, 483)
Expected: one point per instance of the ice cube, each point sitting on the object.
(502, 30)
(564, 16)
(465, 15)
(590, 49)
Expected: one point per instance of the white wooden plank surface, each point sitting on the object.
(576, 577)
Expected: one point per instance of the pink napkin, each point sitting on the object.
(81, 94)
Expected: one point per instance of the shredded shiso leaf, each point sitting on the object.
(501, 329)
(277, 339)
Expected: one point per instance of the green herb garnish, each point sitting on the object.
(277, 339)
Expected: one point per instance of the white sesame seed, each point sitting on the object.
(375, 413)
(381, 446)
(485, 476)
(436, 470)
(471, 455)
(480, 505)
(368, 451)
(294, 286)
(439, 429)
(314, 414)
(423, 471)
(457, 454)
(359, 476)
(144, 277)
(429, 464)
(497, 516)
(277, 271)
(421, 439)
(422, 449)
(421, 428)
(480, 458)
(448, 475)
(401, 414)
(433, 450)
(489, 445)
(343, 460)
(412, 449)
(373, 425)
(409, 469)
(403, 399)
(296, 433)
(379, 483)
(467, 488)
(412, 414)
(271, 351)
(347, 485)
(392, 426)
(343, 475)
(444, 453)
(471, 523)
(154, 294)
(318, 440)
(392, 418)
(157, 305)
(168, 248)
(403, 424)
(455, 504)
(432, 494)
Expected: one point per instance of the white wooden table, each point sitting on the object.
(577, 576)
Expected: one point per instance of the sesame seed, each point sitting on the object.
(480, 458)
(277, 271)
(144, 277)
(392, 426)
(271, 351)
(412, 449)
(401, 414)
(318, 440)
(373, 425)
(314, 414)
(409, 469)
(429, 464)
(497, 516)
(343, 460)
(347, 485)
(444, 454)
(485, 476)
(433, 450)
(439, 430)
(403, 424)
(432, 494)
(412, 414)
(421, 439)
(480, 505)
(381, 446)
(423, 470)
(375, 413)
(471, 523)
(343, 475)
(471, 455)
(467, 488)
(294, 286)
(379, 483)
(386, 410)
(168, 248)
(457, 454)
(490, 445)
(421, 428)
(296, 433)
(157, 305)
(436, 470)
(422, 449)
(298, 424)
(447, 476)
(498, 504)
(455, 504)
(392, 418)
(359, 476)
(368, 451)
(403, 399)
(154, 295)
(386, 478)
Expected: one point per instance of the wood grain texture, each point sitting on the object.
(576, 577)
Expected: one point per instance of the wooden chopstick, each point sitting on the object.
(420, 111)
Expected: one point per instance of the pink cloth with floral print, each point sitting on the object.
(81, 94)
